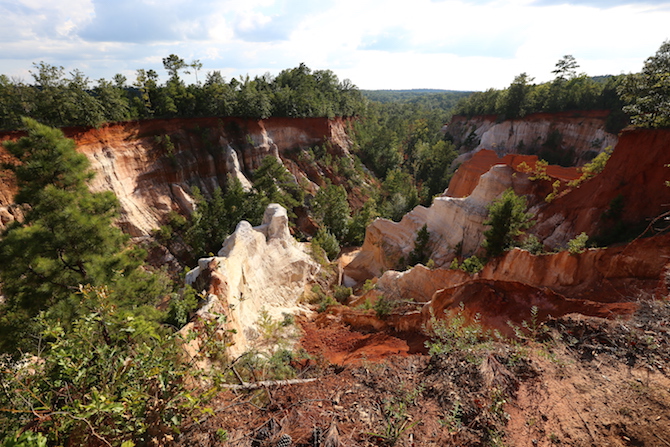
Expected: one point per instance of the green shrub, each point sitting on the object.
(578, 244)
(182, 305)
(342, 293)
(455, 333)
(325, 240)
(507, 218)
(368, 285)
(593, 168)
(472, 265)
(383, 307)
(103, 380)
(532, 244)
(25, 439)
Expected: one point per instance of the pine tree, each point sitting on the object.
(507, 217)
(66, 239)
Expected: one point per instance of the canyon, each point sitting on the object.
(152, 167)
(591, 325)
(575, 137)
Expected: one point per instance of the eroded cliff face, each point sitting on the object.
(630, 191)
(598, 282)
(467, 176)
(456, 224)
(152, 165)
(582, 134)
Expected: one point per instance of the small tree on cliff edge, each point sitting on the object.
(508, 218)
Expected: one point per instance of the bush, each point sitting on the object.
(455, 333)
(325, 240)
(342, 293)
(472, 265)
(102, 381)
(507, 218)
(578, 244)
(593, 168)
(532, 244)
(383, 307)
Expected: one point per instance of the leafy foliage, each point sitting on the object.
(568, 91)
(647, 94)
(325, 240)
(593, 168)
(58, 100)
(331, 209)
(578, 244)
(455, 332)
(275, 184)
(383, 307)
(214, 219)
(507, 218)
(106, 379)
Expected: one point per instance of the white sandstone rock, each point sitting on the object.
(258, 268)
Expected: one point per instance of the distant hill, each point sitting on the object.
(414, 95)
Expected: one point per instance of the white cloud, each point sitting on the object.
(453, 44)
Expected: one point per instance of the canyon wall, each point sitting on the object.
(152, 165)
(629, 192)
(578, 136)
(634, 178)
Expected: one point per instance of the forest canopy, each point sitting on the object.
(57, 99)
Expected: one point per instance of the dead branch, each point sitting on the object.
(266, 383)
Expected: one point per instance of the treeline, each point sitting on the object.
(57, 99)
(568, 91)
(445, 99)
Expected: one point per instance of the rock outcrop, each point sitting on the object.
(581, 134)
(598, 282)
(455, 224)
(498, 302)
(258, 269)
(467, 176)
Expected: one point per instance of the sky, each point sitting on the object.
(376, 44)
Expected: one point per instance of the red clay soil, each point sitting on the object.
(591, 383)
(330, 338)
(467, 176)
(498, 302)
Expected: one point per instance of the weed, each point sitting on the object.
(396, 417)
(222, 435)
(383, 307)
(533, 330)
(498, 402)
(454, 420)
(454, 333)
